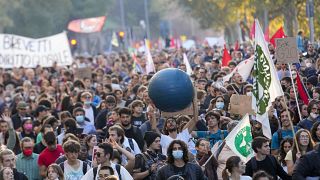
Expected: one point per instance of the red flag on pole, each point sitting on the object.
(278, 34)
(236, 46)
(301, 90)
(226, 58)
(88, 25)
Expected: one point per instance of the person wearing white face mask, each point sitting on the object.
(313, 111)
(178, 164)
(83, 122)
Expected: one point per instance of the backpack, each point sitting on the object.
(254, 163)
(118, 168)
(84, 167)
(131, 144)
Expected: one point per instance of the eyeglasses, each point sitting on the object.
(304, 137)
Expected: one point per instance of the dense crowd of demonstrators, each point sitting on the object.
(55, 126)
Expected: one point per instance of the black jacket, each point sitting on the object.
(18, 175)
(307, 166)
(191, 172)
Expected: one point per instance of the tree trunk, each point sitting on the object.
(289, 16)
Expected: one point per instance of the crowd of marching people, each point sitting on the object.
(57, 126)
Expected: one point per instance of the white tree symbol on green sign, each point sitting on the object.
(243, 141)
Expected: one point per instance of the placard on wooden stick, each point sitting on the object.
(241, 104)
(287, 50)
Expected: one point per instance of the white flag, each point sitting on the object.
(186, 62)
(266, 85)
(149, 64)
(240, 138)
(243, 68)
(114, 40)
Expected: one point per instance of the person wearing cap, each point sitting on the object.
(17, 118)
(148, 162)
(91, 112)
(41, 112)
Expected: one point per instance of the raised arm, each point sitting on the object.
(192, 123)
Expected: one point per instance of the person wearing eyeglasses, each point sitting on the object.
(103, 157)
(177, 163)
(304, 144)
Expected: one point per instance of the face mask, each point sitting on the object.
(27, 152)
(249, 93)
(177, 154)
(313, 115)
(219, 105)
(32, 98)
(87, 102)
(80, 119)
(28, 127)
(7, 99)
(308, 64)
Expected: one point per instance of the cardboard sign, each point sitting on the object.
(287, 50)
(83, 73)
(241, 104)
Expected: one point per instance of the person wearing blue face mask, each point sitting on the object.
(177, 163)
(83, 122)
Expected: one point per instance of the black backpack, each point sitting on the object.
(118, 168)
(84, 167)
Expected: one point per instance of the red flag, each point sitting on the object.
(266, 34)
(226, 58)
(253, 29)
(236, 46)
(88, 25)
(278, 34)
(301, 90)
(172, 43)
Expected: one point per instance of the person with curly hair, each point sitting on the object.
(177, 163)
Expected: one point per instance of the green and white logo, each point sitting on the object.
(243, 141)
(262, 74)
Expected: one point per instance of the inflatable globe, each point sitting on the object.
(171, 90)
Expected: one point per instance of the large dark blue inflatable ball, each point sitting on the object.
(171, 90)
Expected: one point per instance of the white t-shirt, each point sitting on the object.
(136, 150)
(125, 175)
(73, 174)
(183, 136)
(245, 178)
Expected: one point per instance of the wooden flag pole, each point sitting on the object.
(295, 92)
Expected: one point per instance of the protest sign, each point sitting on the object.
(241, 104)
(18, 51)
(287, 50)
(82, 73)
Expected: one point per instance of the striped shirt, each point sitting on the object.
(28, 166)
